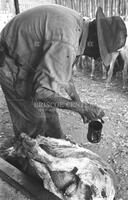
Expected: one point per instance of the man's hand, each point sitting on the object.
(90, 112)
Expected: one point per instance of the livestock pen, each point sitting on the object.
(114, 144)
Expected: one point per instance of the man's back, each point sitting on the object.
(32, 28)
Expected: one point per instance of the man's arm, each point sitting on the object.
(50, 98)
(71, 91)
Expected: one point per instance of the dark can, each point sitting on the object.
(94, 131)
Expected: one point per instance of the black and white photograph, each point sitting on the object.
(63, 100)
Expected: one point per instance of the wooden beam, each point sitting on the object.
(28, 186)
(16, 4)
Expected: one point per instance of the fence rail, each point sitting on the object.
(89, 7)
(85, 7)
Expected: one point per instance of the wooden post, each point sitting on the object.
(124, 8)
(119, 3)
(82, 7)
(17, 9)
(72, 4)
(55, 2)
(111, 8)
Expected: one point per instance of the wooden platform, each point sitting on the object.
(23, 183)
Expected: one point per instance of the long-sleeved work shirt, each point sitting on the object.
(43, 41)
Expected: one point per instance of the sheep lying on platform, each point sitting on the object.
(68, 170)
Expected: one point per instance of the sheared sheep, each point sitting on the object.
(68, 170)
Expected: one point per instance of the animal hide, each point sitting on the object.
(68, 170)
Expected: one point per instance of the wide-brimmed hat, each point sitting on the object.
(111, 33)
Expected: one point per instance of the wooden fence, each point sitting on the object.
(27, 4)
(88, 7)
(85, 7)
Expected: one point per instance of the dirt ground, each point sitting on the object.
(114, 145)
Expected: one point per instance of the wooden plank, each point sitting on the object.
(28, 186)
(17, 9)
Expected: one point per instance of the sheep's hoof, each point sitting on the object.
(92, 77)
(104, 77)
(108, 86)
(125, 89)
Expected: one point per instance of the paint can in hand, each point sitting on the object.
(94, 131)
